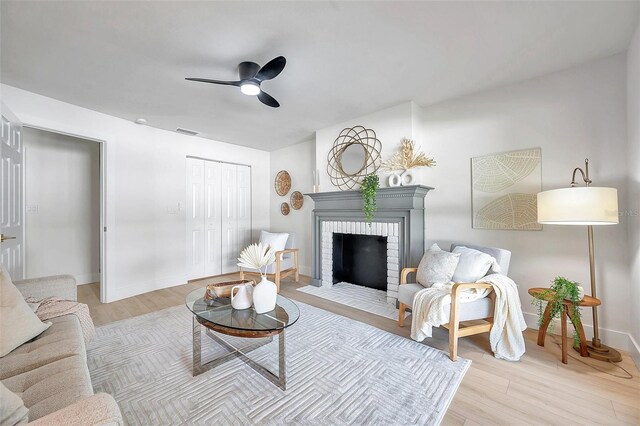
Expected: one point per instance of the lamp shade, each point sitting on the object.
(586, 205)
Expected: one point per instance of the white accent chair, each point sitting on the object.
(481, 309)
(286, 264)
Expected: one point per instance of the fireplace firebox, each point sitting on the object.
(360, 259)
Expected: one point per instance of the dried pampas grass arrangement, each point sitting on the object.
(257, 256)
(407, 158)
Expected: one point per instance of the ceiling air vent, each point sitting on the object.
(186, 131)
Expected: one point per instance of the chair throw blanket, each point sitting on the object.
(507, 341)
(53, 307)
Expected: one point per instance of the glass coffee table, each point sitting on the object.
(218, 317)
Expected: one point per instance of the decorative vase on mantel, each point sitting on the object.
(264, 296)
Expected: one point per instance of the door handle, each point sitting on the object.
(4, 237)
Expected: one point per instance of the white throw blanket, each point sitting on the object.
(507, 341)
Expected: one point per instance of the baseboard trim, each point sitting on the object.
(87, 278)
(614, 338)
(634, 351)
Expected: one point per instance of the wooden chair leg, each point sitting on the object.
(277, 274)
(295, 261)
(453, 342)
(401, 310)
(454, 328)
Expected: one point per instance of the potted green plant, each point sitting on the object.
(561, 289)
(369, 189)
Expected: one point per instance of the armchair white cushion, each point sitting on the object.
(480, 308)
(276, 240)
(473, 265)
(436, 266)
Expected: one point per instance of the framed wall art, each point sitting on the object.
(504, 190)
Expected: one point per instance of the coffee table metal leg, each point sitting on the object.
(197, 348)
(198, 368)
(278, 380)
(282, 362)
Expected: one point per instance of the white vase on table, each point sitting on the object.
(265, 294)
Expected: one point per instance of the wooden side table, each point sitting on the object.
(588, 301)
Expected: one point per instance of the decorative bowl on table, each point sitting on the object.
(219, 290)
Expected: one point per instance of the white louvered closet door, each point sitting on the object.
(229, 218)
(195, 219)
(218, 216)
(212, 219)
(244, 206)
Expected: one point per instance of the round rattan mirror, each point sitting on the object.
(354, 155)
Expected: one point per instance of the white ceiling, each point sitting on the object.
(344, 59)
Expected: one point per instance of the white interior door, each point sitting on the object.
(11, 196)
(229, 218)
(195, 219)
(212, 219)
(244, 206)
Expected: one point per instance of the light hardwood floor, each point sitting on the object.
(537, 390)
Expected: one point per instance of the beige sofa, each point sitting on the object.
(50, 373)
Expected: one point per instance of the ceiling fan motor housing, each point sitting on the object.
(248, 70)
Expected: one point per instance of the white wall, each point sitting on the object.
(571, 115)
(633, 209)
(391, 125)
(62, 192)
(299, 161)
(145, 183)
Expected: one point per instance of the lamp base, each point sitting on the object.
(602, 352)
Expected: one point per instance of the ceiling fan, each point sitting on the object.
(251, 76)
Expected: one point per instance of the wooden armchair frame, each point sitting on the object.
(456, 329)
(279, 274)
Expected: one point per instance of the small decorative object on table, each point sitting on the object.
(564, 299)
(243, 298)
(369, 189)
(257, 256)
(561, 289)
(219, 290)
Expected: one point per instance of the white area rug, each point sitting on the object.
(339, 372)
(356, 296)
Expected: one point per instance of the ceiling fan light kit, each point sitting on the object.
(250, 88)
(251, 77)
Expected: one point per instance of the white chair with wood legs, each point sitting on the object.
(286, 264)
(478, 310)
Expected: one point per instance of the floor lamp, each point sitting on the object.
(586, 205)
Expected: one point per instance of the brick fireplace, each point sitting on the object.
(399, 218)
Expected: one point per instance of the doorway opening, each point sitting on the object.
(63, 207)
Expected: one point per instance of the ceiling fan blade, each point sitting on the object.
(268, 100)
(206, 80)
(271, 69)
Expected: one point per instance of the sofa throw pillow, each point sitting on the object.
(436, 266)
(276, 240)
(12, 409)
(473, 265)
(18, 323)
